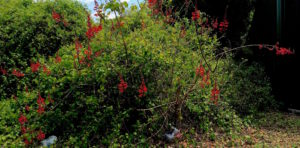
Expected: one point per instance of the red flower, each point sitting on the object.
(23, 129)
(46, 70)
(88, 53)
(22, 119)
(77, 46)
(35, 66)
(215, 94)
(27, 108)
(3, 71)
(206, 79)
(41, 135)
(223, 25)
(98, 53)
(202, 84)
(56, 16)
(283, 51)
(152, 3)
(26, 141)
(57, 58)
(41, 100)
(195, 15)
(120, 24)
(41, 109)
(112, 27)
(65, 23)
(215, 24)
(82, 60)
(17, 73)
(92, 30)
(200, 71)
(26, 89)
(122, 86)
(143, 89)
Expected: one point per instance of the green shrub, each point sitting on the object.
(27, 29)
(87, 103)
(249, 90)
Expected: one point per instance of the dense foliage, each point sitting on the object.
(27, 29)
(249, 90)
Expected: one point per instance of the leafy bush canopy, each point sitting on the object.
(27, 29)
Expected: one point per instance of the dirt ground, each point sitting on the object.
(274, 129)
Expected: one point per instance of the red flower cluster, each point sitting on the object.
(120, 24)
(143, 89)
(195, 15)
(55, 16)
(17, 73)
(23, 129)
(41, 104)
(152, 3)
(3, 71)
(283, 51)
(215, 94)
(57, 58)
(200, 72)
(41, 135)
(92, 30)
(215, 24)
(58, 18)
(22, 119)
(34, 66)
(46, 70)
(27, 108)
(88, 53)
(222, 25)
(26, 141)
(98, 53)
(279, 50)
(122, 86)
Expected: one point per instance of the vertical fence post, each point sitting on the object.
(278, 19)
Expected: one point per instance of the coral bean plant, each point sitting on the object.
(126, 79)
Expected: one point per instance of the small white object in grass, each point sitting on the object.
(170, 136)
(49, 141)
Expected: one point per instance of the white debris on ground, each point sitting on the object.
(170, 136)
(49, 141)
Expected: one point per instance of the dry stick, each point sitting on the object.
(170, 103)
(237, 48)
(202, 54)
